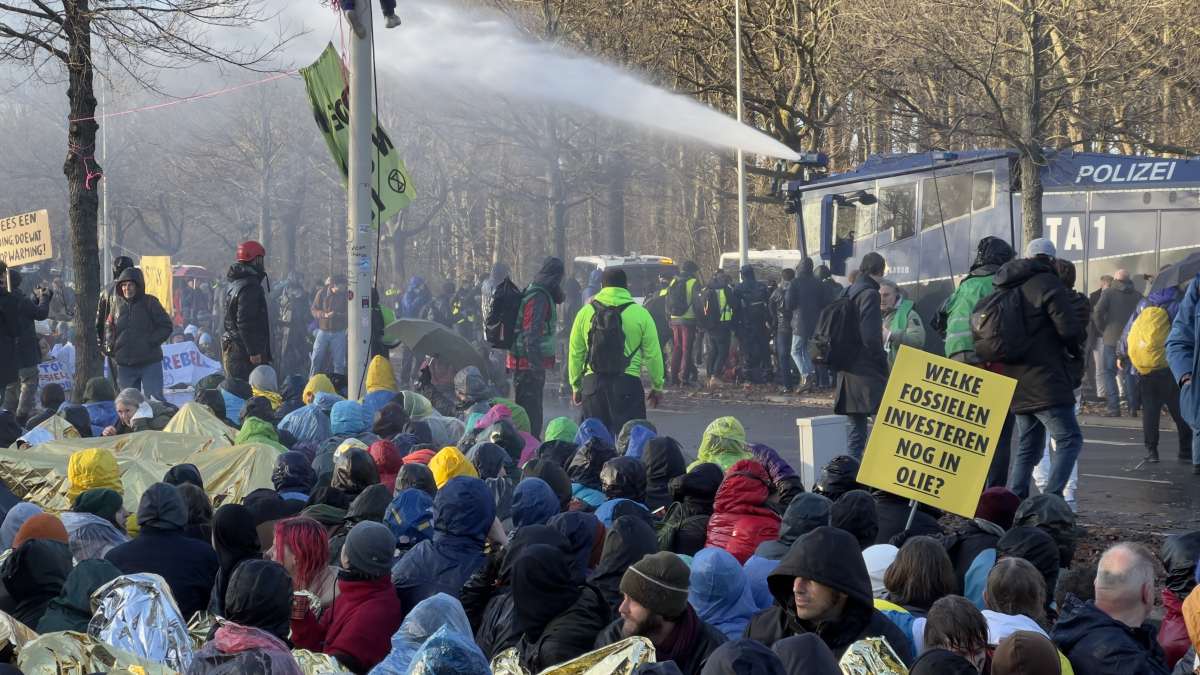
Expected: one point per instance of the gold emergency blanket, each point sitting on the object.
(619, 658)
(39, 475)
(137, 613)
(70, 653)
(316, 664)
(194, 419)
(53, 429)
(871, 656)
(13, 633)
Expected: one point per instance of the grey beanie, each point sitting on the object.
(264, 378)
(659, 582)
(369, 548)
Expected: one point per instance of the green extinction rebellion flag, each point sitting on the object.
(391, 189)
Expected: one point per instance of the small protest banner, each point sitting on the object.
(936, 431)
(25, 238)
(56, 372)
(156, 269)
(184, 364)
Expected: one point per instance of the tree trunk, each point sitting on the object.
(558, 206)
(266, 180)
(82, 189)
(617, 173)
(1033, 133)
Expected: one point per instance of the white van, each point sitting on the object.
(768, 265)
(642, 270)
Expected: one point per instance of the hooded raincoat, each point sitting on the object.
(534, 503)
(34, 575)
(805, 514)
(429, 616)
(628, 541)
(720, 592)
(556, 618)
(235, 540)
(741, 519)
(685, 527)
(72, 609)
(450, 463)
(723, 444)
(664, 462)
(255, 430)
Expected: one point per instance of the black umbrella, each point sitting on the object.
(430, 338)
(1180, 274)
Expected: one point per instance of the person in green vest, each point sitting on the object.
(718, 313)
(533, 349)
(901, 323)
(953, 323)
(681, 295)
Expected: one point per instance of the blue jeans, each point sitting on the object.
(148, 378)
(800, 357)
(856, 435)
(1110, 374)
(1062, 426)
(329, 344)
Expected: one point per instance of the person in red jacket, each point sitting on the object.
(357, 628)
(741, 519)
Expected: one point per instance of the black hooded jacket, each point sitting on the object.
(830, 557)
(685, 527)
(34, 575)
(1043, 376)
(805, 300)
(623, 478)
(628, 541)
(247, 321)
(416, 475)
(555, 477)
(1037, 547)
(136, 329)
(855, 513)
(892, 515)
(806, 513)
(556, 618)
(371, 504)
(260, 596)
(1179, 555)
(353, 472)
(664, 462)
(587, 463)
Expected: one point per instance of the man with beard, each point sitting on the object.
(533, 349)
(246, 338)
(655, 606)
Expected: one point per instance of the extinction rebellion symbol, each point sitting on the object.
(396, 181)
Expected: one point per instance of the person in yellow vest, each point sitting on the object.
(681, 295)
(901, 323)
(716, 320)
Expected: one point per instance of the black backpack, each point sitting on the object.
(998, 326)
(836, 341)
(606, 340)
(678, 301)
(500, 324)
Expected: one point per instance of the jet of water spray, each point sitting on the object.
(451, 48)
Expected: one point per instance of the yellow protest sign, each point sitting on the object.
(157, 271)
(25, 238)
(936, 431)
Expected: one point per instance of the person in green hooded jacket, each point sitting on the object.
(607, 392)
(72, 609)
(255, 430)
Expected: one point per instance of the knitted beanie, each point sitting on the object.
(659, 582)
(998, 505)
(41, 526)
(369, 549)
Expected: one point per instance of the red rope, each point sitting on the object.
(188, 99)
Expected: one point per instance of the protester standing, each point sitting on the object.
(20, 396)
(329, 308)
(1044, 401)
(1182, 358)
(1143, 346)
(859, 390)
(680, 307)
(104, 307)
(805, 300)
(135, 330)
(9, 330)
(62, 305)
(246, 330)
(785, 371)
(902, 324)
(292, 326)
(717, 318)
(754, 327)
(533, 349)
(611, 340)
(1117, 303)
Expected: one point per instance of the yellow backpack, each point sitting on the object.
(1148, 340)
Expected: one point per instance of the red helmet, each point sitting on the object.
(249, 250)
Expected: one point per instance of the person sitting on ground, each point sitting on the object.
(199, 512)
(302, 547)
(136, 413)
(50, 398)
(821, 586)
(685, 527)
(98, 398)
(1026, 652)
(265, 383)
(1015, 600)
(805, 514)
(188, 566)
(1111, 636)
(36, 570)
(955, 639)
(556, 617)
(720, 592)
(72, 609)
(357, 628)
(993, 517)
(254, 636)
(655, 606)
(741, 519)
(856, 513)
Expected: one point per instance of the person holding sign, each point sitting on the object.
(1044, 401)
(137, 327)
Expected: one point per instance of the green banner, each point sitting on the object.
(391, 189)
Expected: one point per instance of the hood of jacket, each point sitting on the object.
(293, 473)
(348, 418)
(470, 385)
(581, 530)
(992, 251)
(410, 517)
(838, 477)
(533, 502)
(1052, 514)
(317, 383)
(255, 430)
(371, 504)
(626, 434)
(390, 420)
(743, 657)
(449, 463)
(543, 587)
(1179, 555)
(554, 475)
(829, 556)
(464, 507)
(719, 591)
(806, 513)
(263, 377)
(79, 418)
(184, 473)
(354, 471)
(623, 478)
(855, 513)
(1037, 547)
(806, 654)
(307, 424)
(557, 452)
(388, 461)
(592, 428)
(135, 275)
(259, 594)
(698, 487)
(1017, 272)
(561, 429)
(427, 618)
(99, 389)
(745, 488)
(723, 443)
(1082, 621)
(161, 508)
(380, 376)
(35, 574)
(589, 460)
(628, 540)
(92, 468)
(416, 475)
(72, 609)
(664, 462)
(489, 459)
(549, 276)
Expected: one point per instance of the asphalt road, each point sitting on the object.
(1114, 487)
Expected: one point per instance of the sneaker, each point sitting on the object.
(1152, 456)
(392, 20)
(355, 24)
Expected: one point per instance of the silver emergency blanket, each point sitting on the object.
(871, 656)
(137, 613)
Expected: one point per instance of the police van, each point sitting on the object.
(768, 266)
(926, 212)
(643, 271)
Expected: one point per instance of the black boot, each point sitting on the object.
(1152, 455)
